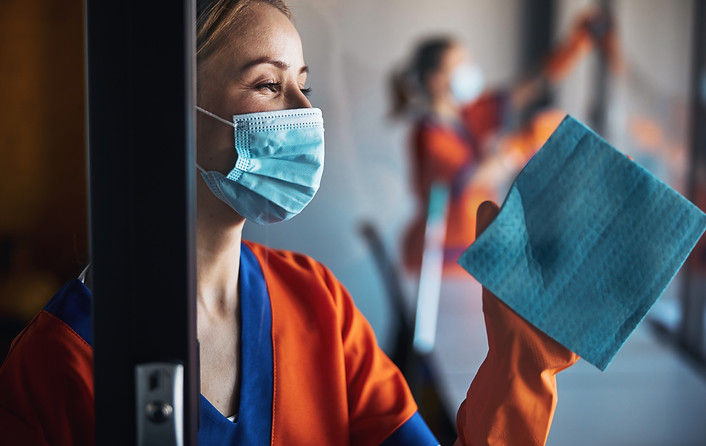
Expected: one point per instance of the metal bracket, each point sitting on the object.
(159, 399)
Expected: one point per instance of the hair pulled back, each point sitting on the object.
(409, 85)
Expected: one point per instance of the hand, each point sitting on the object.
(597, 22)
(507, 330)
(599, 25)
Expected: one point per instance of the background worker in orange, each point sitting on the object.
(442, 90)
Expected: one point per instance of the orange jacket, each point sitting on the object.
(331, 384)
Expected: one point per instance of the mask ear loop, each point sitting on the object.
(214, 116)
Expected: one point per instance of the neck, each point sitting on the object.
(218, 236)
(446, 107)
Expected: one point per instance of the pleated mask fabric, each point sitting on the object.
(279, 166)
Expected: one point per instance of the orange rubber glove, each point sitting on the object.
(512, 398)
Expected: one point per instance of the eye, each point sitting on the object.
(306, 91)
(271, 87)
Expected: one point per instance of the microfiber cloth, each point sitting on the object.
(584, 243)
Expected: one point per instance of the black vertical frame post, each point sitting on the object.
(140, 74)
(598, 113)
(537, 41)
(691, 330)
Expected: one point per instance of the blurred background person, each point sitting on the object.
(456, 117)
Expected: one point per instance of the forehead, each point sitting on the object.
(264, 32)
(455, 55)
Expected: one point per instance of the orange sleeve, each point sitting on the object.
(46, 386)
(564, 58)
(593, 28)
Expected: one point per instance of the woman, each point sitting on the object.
(286, 358)
(442, 89)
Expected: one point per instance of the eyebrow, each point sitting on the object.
(268, 60)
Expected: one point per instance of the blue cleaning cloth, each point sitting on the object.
(585, 242)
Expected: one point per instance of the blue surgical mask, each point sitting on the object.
(466, 83)
(279, 166)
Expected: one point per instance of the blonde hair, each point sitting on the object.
(218, 19)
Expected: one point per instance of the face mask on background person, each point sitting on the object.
(279, 166)
(466, 83)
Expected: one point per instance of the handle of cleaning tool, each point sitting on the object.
(432, 269)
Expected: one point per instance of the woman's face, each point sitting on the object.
(439, 83)
(260, 69)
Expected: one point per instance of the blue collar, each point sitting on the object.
(254, 423)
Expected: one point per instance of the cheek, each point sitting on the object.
(237, 99)
(240, 99)
(251, 102)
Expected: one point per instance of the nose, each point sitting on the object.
(297, 99)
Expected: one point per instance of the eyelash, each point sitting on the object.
(275, 87)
